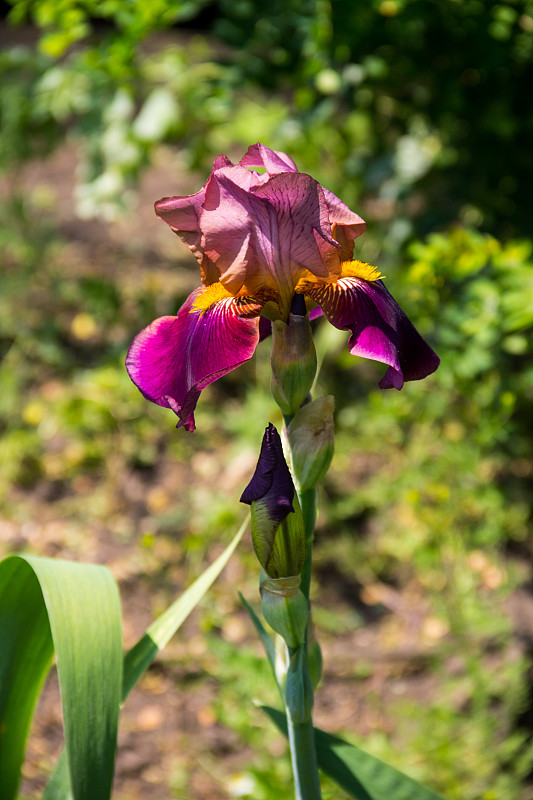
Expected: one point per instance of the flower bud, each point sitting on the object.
(278, 533)
(293, 362)
(285, 608)
(311, 440)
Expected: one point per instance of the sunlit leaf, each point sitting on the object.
(141, 655)
(138, 659)
(74, 609)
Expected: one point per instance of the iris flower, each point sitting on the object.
(262, 232)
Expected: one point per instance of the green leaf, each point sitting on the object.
(48, 604)
(58, 786)
(266, 640)
(25, 657)
(361, 775)
(141, 655)
(138, 659)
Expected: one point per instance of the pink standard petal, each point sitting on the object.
(174, 358)
(349, 225)
(274, 161)
(346, 224)
(265, 238)
(181, 213)
(380, 329)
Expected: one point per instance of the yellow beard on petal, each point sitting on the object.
(359, 269)
(349, 269)
(216, 293)
(210, 295)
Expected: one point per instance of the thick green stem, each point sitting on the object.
(303, 755)
(301, 733)
(299, 706)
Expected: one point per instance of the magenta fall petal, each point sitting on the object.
(174, 358)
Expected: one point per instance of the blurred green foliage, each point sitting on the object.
(422, 106)
(418, 114)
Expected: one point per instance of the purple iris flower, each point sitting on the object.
(259, 238)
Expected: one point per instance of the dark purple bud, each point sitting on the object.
(279, 539)
(272, 480)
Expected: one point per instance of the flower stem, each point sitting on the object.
(299, 719)
(303, 755)
(299, 706)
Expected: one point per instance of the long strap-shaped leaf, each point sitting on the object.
(161, 631)
(361, 775)
(138, 659)
(266, 641)
(48, 604)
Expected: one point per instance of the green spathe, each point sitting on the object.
(285, 608)
(280, 547)
(314, 654)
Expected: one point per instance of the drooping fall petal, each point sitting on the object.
(380, 329)
(174, 358)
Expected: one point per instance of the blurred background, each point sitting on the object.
(418, 114)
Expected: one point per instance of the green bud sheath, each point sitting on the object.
(285, 608)
(278, 531)
(293, 362)
(311, 436)
(281, 547)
